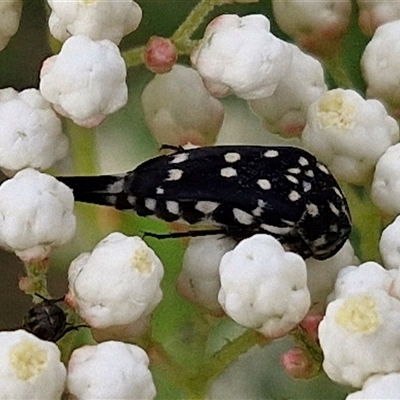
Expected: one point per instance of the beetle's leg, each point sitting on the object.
(177, 149)
(196, 233)
(69, 329)
(52, 301)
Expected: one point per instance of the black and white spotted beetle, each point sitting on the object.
(239, 190)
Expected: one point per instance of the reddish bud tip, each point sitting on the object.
(310, 324)
(298, 364)
(160, 55)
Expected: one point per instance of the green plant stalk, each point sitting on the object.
(36, 272)
(336, 68)
(181, 37)
(82, 148)
(231, 351)
(312, 347)
(133, 57)
(196, 383)
(367, 222)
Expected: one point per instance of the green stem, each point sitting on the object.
(196, 383)
(82, 149)
(335, 66)
(367, 223)
(133, 57)
(231, 351)
(84, 157)
(37, 274)
(305, 341)
(182, 36)
(177, 373)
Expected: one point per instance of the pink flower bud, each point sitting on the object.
(299, 364)
(310, 324)
(26, 284)
(160, 55)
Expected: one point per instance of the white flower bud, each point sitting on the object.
(117, 283)
(199, 279)
(380, 63)
(10, 14)
(285, 111)
(85, 81)
(97, 19)
(373, 13)
(363, 278)
(313, 23)
(385, 189)
(110, 370)
(349, 134)
(322, 274)
(30, 368)
(36, 213)
(389, 245)
(379, 387)
(30, 131)
(178, 109)
(359, 336)
(240, 55)
(263, 287)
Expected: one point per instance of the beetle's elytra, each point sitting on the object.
(238, 190)
(47, 320)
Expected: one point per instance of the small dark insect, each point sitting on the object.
(238, 190)
(47, 320)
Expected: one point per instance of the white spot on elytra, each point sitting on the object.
(174, 175)
(306, 186)
(323, 168)
(116, 187)
(292, 179)
(279, 230)
(258, 211)
(160, 190)
(303, 161)
(242, 216)
(150, 204)
(287, 222)
(228, 172)
(232, 157)
(333, 208)
(172, 207)
(345, 211)
(264, 184)
(294, 170)
(178, 158)
(112, 199)
(206, 207)
(337, 191)
(271, 153)
(293, 195)
(320, 241)
(310, 173)
(312, 209)
(131, 200)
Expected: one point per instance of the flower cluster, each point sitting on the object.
(344, 310)
(31, 369)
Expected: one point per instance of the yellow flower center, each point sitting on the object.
(27, 359)
(334, 111)
(142, 261)
(359, 315)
